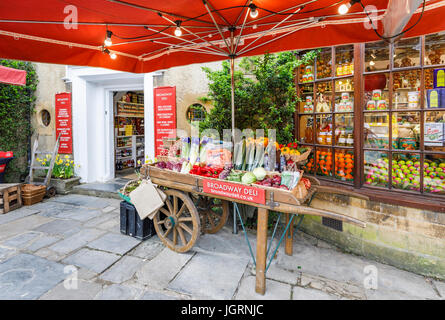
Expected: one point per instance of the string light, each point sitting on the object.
(253, 11)
(178, 31)
(111, 54)
(108, 41)
(344, 8)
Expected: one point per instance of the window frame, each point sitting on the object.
(420, 198)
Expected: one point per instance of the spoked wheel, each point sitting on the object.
(177, 222)
(213, 213)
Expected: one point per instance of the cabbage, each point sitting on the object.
(248, 178)
(259, 173)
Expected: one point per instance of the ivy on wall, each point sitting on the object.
(16, 105)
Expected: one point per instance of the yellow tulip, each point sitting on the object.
(67, 157)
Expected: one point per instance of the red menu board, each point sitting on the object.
(64, 122)
(165, 115)
(234, 191)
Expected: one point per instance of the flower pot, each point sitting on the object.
(62, 186)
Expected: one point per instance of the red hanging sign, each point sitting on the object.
(165, 115)
(64, 122)
(235, 191)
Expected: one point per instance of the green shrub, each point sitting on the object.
(16, 105)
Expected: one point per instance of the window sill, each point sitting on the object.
(425, 202)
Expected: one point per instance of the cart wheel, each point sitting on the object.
(51, 192)
(213, 213)
(177, 222)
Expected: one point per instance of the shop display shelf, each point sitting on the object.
(131, 103)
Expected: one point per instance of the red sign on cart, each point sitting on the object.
(165, 115)
(64, 122)
(235, 191)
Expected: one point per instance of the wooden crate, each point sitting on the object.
(10, 197)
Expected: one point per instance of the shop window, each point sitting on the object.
(45, 117)
(407, 53)
(434, 49)
(196, 112)
(402, 125)
(376, 56)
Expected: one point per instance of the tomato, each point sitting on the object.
(307, 183)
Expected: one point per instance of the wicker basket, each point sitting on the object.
(124, 193)
(32, 194)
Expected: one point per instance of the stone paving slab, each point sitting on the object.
(222, 271)
(148, 249)
(26, 276)
(5, 253)
(16, 227)
(17, 214)
(157, 273)
(274, 290)
(98, 221)
(85, 291)
(440, 286)
(79, 214)
(299, 293)
(156, 295)
(81, 200)
(76, 241)
(119, 292)
(20, 241)
(341, 267)
(93, 260)
(116, 243)
(41, 242)
(63, 228)
(53, 209)
(385, 294)
(122, 270)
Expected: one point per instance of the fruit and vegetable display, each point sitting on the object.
(254, 161)
(406, 174)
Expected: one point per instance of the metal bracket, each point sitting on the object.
(197, 188)
(272, 204)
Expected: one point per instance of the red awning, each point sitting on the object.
(12, 76)
(73, 32)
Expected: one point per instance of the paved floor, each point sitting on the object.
(44, 248)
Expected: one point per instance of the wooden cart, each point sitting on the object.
(189, 210)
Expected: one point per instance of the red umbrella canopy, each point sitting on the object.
(143, 36)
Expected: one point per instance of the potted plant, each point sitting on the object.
(62, 177)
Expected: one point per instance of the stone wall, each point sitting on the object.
(191, 84)
(407, 238)
(50, 82)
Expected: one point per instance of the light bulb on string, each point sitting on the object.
(178, 31)
(108, 42)
(344, 8)
(113, 56)
(253, 11)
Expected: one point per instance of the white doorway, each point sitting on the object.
(93, 119)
